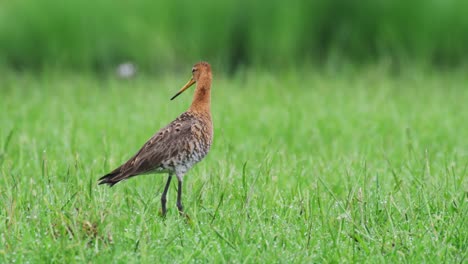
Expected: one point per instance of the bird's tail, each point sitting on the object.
(114, 177)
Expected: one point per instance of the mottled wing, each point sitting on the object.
(163, 147)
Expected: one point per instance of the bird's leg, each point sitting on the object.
(179, 197)
(164, 194)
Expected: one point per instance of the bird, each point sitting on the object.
(177, 147)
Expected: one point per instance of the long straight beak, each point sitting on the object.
(186, 86)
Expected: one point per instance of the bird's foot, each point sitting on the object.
(162, 213)
(188, 220)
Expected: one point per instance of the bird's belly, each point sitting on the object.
(191, 159)
(188, 159)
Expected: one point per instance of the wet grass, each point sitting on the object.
(345, 166)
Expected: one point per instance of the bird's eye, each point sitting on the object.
(193, 70)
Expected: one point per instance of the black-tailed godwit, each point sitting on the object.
(177, 147)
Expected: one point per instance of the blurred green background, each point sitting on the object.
(99, 34)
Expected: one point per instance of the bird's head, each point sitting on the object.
(201, 72)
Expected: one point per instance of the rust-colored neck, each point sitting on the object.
(201, 102)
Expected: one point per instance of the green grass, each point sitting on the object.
(99, 34)
(338, 166)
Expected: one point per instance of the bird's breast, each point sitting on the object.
(195, 145)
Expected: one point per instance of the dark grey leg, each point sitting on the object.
(164, 194)
(179, 198)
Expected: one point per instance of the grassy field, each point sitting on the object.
(337, 166)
